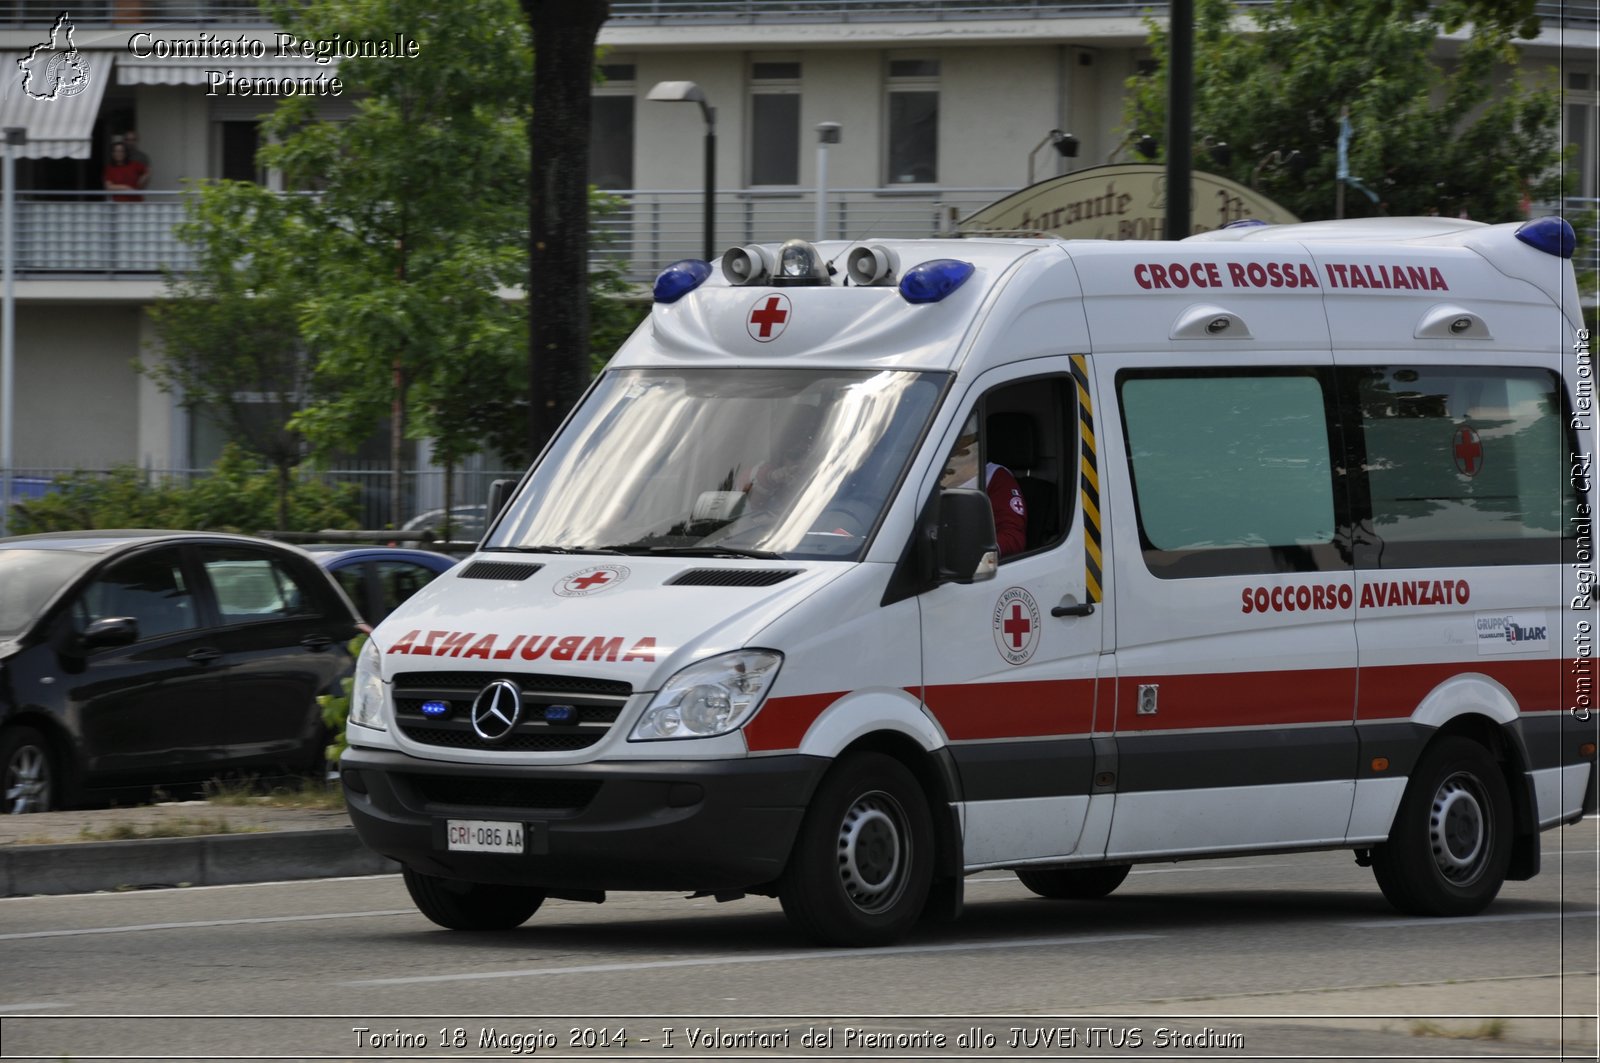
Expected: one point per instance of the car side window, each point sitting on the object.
(251, 586)
(353, 580)
(150, 588)
(397, 581)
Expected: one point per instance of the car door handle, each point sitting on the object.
(316, 642)
(1075, 609)
(204, 655)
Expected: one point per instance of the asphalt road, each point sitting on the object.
(1274, 957)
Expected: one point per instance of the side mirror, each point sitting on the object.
(966, 549)
(111, 631)
(499, 494)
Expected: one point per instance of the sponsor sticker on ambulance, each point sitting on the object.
(1512, 632)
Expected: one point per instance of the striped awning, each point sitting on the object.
(192, 71)
(57, 105)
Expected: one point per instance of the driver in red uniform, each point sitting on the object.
(1005, 497)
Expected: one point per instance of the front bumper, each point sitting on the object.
(661, 825)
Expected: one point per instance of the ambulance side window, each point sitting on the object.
(1233, 470)
(1461, 465)
(1030, 430)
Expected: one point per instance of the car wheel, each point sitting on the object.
(1074, 883)
(30, 777)
(862, 865)
(459, 905)
(1451, 843)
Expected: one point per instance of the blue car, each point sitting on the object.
(379, 578)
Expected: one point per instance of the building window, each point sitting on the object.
(1582, 103)
(611, 128)
(774, 123)
(913, 122)
(239, 142)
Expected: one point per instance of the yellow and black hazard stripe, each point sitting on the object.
(1088, 479)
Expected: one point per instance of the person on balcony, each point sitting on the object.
(123, 176)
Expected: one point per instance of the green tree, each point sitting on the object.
(418, 205)
(1466, 139)
(231, 349)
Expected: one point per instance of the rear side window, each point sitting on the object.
(251, 586)
(1463, 465)
(1233, 471)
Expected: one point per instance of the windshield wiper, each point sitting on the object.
(716, 551)
(557, 549)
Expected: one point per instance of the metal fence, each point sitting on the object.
(422, 490)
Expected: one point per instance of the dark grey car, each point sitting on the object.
(146, 658)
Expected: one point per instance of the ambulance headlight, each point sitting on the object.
(367, 693)
(712, 697)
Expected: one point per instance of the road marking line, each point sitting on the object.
(1473, 920)
(767, 957)
(203, 923)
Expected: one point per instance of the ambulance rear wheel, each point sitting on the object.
(471, 905)
(1074, 883)
(1451, 844)
(863, 862)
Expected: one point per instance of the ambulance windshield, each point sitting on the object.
(792, 463)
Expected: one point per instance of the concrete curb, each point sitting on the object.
(206, 860)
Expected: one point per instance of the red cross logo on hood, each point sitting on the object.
(768, 318)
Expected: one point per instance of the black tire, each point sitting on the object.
(1451, 843)
(28, 772)
(861, 867)
(457, 905)
(1074, 883)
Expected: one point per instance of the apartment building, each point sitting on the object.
(936, 108)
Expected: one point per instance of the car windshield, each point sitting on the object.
(761, 463)
(29, 579)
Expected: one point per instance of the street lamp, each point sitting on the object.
(689, 92)
(14, 138)
(1143, 143)
(1065, 144)
(827, 133)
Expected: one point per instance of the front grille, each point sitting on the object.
(472, 682)
(589, 708)
(732, 577)
(541, 795)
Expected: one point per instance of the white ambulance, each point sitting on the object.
(863, 568)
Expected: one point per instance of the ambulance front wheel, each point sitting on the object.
(471, 905)
(1450, 847)
(1074, 883)
(863, 861)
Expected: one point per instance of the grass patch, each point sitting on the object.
(277, 792)
(1487, 1030)
(174, 827)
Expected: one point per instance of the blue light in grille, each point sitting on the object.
(559, 713)
(435, 709)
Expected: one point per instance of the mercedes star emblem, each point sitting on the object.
(496, 710)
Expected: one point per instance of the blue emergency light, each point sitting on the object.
(931, 281)
(681, 278)
(1551, 235)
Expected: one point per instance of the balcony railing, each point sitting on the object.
(96, 13)
(84, 234)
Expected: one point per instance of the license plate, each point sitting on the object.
(483, 836)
